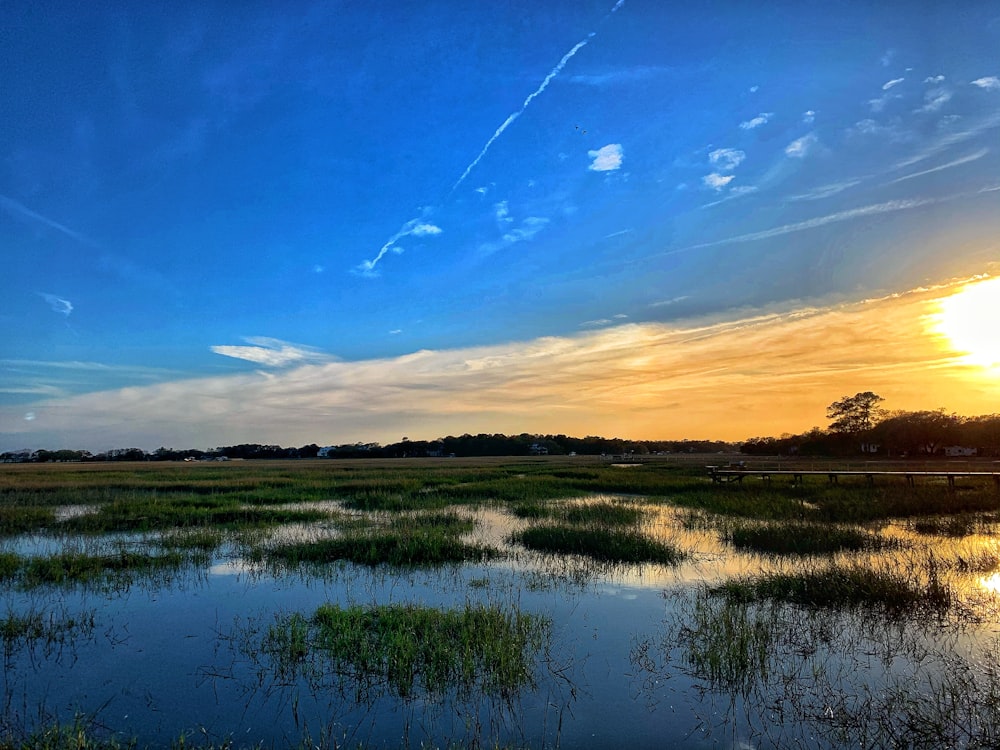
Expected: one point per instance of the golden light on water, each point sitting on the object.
(970, 321)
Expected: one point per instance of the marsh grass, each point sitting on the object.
(880, 587)
(960, 525)
(803, 538)
(603, 544)
(830, 680)
(604, 514)
(121, 567)
(413, 650)
(413, 540)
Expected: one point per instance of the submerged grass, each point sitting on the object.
(414, 650)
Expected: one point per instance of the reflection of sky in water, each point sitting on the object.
(165, 659)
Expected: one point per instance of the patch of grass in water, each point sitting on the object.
(604, 514)
(123, 566)
(399, 548)
(45, 626)
(793, 538)
(415, 650)
(849, 586)
(606, 545)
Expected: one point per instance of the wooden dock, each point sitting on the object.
(724, 475)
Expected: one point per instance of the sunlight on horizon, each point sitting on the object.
(969, 320)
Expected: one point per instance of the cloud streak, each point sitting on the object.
(272, 352)
(21, 211)
(819, 221)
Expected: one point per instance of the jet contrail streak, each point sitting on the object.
(367, 267)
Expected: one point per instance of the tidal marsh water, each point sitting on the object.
(311, 603)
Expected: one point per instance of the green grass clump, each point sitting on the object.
(604, 514)
(18, 519)
(10, 563)
(415, 650)
(851, 586)
(793, 538)
(607, 545)
(123, 566)
(401, 548)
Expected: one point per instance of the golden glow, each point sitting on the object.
(970, 320)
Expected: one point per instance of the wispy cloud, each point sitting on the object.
(620, 75)
(272, 352)
(757, 121)
(955, 163)
(934, 79)
(717, 181)
(726, 159)
(825, 191)
(414, 227)
(819, 221)
(894, 82)
(935, 99)
(800, 147)
(809, 116)
(19, 210)
(607, 158)
(58, 304)
(989, 83)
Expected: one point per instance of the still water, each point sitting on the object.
(176, 656)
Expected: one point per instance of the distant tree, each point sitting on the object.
(855, 414)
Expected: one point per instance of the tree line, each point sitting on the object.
(465, 445)
(860, 425)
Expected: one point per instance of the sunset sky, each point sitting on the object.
(335, 222)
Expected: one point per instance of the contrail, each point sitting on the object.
(19, 209)
(506, 123)
(368, 266)
(544, 85)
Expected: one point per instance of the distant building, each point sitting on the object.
(538, 450)
(960, 451)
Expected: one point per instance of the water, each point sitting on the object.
(175, 656)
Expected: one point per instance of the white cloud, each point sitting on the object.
(888, 57)
(272, 352)
(754, 89)
(726, 159)
(989, 83)
(934, 99)
(58, 304)
(956, 163)
(934, 79)
(757, 121)
(819, 221)
(607, 158)
(825, 191)
(800, 147)
(717, 181)
(501, 211)
(808, 117)
(596, 323)
(894, 82)
(425, 230)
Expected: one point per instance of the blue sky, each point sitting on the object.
(206, 195)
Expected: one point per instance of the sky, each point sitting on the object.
(331, 222)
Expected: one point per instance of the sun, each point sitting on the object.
(970, 321)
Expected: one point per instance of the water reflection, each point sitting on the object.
(622, 667)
